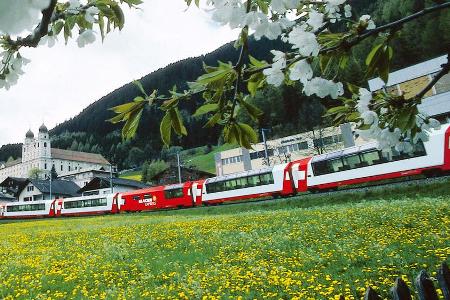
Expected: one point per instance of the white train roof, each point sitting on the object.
(344, 152)
(241, 174)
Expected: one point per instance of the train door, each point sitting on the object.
(58, 207)
(447, 150)
(52, 209)
(115, 204)
(196, 194)
(299, 172)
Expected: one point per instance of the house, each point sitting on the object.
(24, 189)
(84, 176)
(170, 175)
(102, 185)
(37, 189)
(5, 198)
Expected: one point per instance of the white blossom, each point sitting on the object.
(49, 40)
(230, 12)
(370, 117)
(305, 41)
(323, 88)
(365, 97)
(370, 24)
(281, 6)
(90, 13)
(74, 4)
(315, 19)
(85, 38)
(301, 71)
(404, 147)
(348, 11)
(275, 75)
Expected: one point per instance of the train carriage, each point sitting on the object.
(273, 181)
(367, 163)
(34, 209)
(161, 197)
(89, 205)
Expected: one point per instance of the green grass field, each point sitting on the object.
(316, 247)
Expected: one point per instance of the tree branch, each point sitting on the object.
(41, 30)
(445, 70)
(348, 44)
(386, 27)
(240, 64)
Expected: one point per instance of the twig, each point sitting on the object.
(445, 70)
(41, 30)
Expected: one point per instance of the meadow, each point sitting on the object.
(313, 247)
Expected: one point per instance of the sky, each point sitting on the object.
(60, 82)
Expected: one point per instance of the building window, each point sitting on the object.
(45, 166)
(45, 144)
(61, 167)
(30, 188)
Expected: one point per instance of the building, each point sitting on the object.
(37, 153)
(411, 80)
(102, 185)
(5, 199)
(284, 149)
(37, 189)
(84, 176)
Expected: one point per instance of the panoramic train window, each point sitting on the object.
(27, 207)
(240, 183)
(173, 193)
(364, 159)
(86, 203)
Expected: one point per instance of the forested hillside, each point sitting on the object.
(286, 109)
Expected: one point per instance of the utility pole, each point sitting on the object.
(179, 167)
(50, 186)
(266, 154)
(111, 178)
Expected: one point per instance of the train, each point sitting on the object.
(350, 166)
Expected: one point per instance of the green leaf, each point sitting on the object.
(119, 15)
(213, 120)
(253, 111)
(140, 87)
(255, 82)
(57, 27)
(250, 133)
(166, 129)
(204, 109)
(177, 122)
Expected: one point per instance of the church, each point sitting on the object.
(37, 153)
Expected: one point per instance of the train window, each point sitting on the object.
(321, 168)
(336, 165)
(419, 149)
(371, 158)
(174, 193)
(136, 197)
(86, 203)
(27, 207)
(351, 162)
(147, 196)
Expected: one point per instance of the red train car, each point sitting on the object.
(162, 197)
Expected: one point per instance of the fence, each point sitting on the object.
(424, 284)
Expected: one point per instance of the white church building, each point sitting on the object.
(37, 153)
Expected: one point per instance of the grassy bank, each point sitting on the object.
(315, 246)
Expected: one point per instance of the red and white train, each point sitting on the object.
(355, 165)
